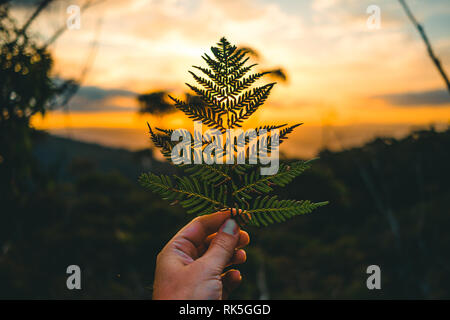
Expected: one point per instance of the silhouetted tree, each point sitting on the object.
(154, 103)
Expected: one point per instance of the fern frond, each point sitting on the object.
(210, 97)
(237, 74)
(240, 169)
(263, 184)
(214, 173)
(218, 79)
(214, 89)
(286, 131)
(269, 210)
(197, 113)
(215, 66)
(165, 143)
(282, 136)
(243, 84)
(161, 141)
(237, 70)
(237, 56)
(168, 132)
(198, 198)
(225, 47)
(225, 101)
(248, 103)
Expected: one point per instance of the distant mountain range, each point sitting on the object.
(58, 153)
(305, 142)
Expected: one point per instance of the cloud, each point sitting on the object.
(203, 21)
(323, 4)
(97, 93)
(150, 44)
(440, 97)
(96, 99)
(333, 59)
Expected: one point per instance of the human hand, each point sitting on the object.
(191, 264)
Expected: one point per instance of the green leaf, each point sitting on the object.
(196, 197)
(269, 210)
(226, 100)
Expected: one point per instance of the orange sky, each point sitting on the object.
(340, 72)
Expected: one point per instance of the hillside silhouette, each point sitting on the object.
(387, 207)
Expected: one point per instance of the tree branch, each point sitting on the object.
(63, 28)
(422, 33)
(36, 12)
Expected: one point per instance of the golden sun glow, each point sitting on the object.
(340, 73)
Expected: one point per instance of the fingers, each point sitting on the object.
(201, 227)
(183, 247)
(230, 281)
(223, 246)
(196, 237)
(239, 256)
(244, 239)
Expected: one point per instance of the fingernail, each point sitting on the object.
(230, 227)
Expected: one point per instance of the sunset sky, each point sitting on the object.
(341, 73)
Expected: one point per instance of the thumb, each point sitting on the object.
(222, 246)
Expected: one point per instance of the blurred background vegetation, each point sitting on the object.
(82, 205)
(65, 202)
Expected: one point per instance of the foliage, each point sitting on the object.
(26, 89)
(228, 100)
(154, 103)
(97, 217)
